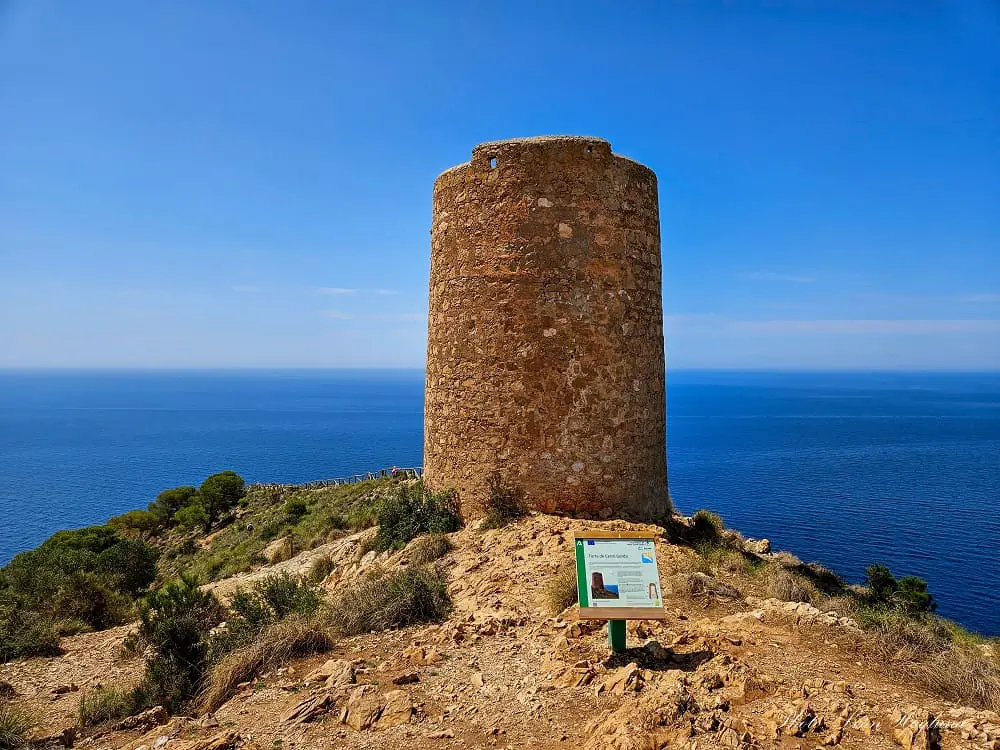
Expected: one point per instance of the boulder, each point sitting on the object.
(148, 719)
(757, 546)
(362, 709)
(310, 709)
(333, 672)
(397, 710)
(279, 550)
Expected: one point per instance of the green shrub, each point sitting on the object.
(296, 507)
(912, 595)
(504, 503)
(24, 632)
(220, 493)
(128, 565)
(287, 595)
(267, 602)
(908, 594)
(175, 622)
(168, 502)
(93, 539)
(193, 516)
(102, 704)
(137, 522)
(379, 601)
(85, 597)
(14, 726)
(88, 574)
(881, 584)
(411, 511)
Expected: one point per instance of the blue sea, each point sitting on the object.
(844, 468)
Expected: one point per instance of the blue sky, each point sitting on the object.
(242, 183)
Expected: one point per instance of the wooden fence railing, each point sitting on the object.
(413, 472)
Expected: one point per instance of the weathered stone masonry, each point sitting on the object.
(545, 333)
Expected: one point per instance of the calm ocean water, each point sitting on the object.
(844, 469)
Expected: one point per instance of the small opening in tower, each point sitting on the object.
(493, 162)
(590, 149)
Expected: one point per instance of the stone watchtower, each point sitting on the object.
(545, 333)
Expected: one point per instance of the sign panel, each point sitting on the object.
(617, 576)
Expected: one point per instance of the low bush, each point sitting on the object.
(193, 516)
(287, 595)
(706, 528)
(83, 597)
(275, 645)
(379, 601)
(254, 610)
(780, 583)
(561, 590)
(90, 576)
(845, 605)
(697, 584)
(103, 704)
(727, 559)
(128, 566)
(410, 511)
(504, 502)
(168, 502)
(295, 507)
(140, 523)
(908, 594)
(24, 632)
(320, 569)
(825, 580)
(175, 622)
(14, 727)
(428, 548)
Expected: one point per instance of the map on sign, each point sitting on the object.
(618, 572)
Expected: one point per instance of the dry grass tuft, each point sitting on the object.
(14, 726)
(428, 548)
(295, 636)
(726, 560)
(782, 584)
(320, 569)
(698, 584)
(103, 704)
(844, 606)
(924, 652)
(561, 590)
(379, 601)
(787, 559)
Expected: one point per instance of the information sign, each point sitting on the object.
(617, 576)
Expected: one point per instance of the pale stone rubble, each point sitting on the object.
(500, 673)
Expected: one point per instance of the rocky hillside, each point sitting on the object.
(729, 668)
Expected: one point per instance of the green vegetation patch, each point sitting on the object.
(14, 727)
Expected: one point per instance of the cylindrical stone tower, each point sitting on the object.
(545, 334)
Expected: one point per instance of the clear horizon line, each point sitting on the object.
(409, 368)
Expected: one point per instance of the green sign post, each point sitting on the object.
(618, 580)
